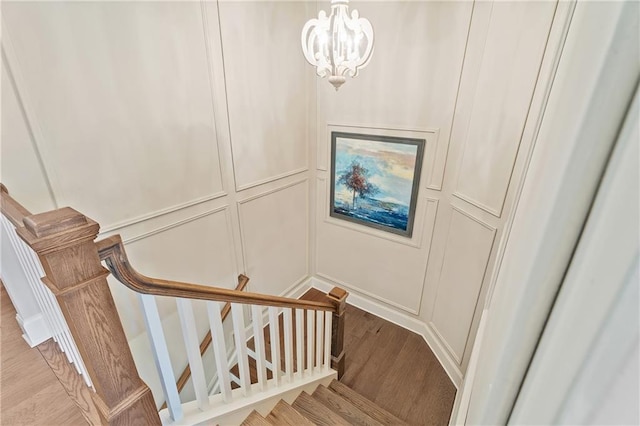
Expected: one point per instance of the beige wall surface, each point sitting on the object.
(462, 76)
(130, 113)
(189, 128)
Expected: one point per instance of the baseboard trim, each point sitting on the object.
(403, 320)
(35, 329)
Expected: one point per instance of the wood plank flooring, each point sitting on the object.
(30, 393)
(394, 368)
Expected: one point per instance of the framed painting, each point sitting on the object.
(375, 180)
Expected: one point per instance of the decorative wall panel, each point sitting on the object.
(275, 237)
(119, 95)
(495, 98)
(268, 87)
(412, 79)
(27, 177)
(467, 252)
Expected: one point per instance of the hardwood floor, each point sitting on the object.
(30, 393)
(394, 368)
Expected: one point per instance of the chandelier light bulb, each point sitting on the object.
(338, 45)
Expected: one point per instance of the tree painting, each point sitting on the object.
(356, 178)
(375, 180)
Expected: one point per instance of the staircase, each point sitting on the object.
(336, 404)
(249, 374)
(70, 268)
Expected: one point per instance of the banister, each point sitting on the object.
(63, 241)
(11, 209)
(112, 252)
(206, 342)
(73, 262)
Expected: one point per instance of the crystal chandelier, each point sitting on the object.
(339, 45)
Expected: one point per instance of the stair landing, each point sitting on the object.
(394, 368)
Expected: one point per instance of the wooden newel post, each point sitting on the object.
(339, 297)
(64, 242)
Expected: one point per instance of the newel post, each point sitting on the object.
(64, 242)
(339, 297)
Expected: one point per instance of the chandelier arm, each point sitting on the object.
(338, 45)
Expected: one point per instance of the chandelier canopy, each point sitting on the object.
(338, 45)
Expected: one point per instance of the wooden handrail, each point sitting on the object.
(206, 342)
(112, 252)
(11, 209)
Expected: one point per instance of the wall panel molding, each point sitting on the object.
(367, 293)
(174, 225)
(452, 353)
(420, 247)
(207, 34)
(497, 212)
(271, 191)
(496, 99)
(12, 66)
(467, 253)
(264, 126)
(118, 106)
(242, 206)
(272, 179)
(161, 212)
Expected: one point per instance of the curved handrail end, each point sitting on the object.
(112, 252)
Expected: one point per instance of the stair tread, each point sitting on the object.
(344, 408)
(285, 414)
(317, 412)
(255, 419)
(369, 407)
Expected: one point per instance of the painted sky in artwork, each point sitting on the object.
(390, 165)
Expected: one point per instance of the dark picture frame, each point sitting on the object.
(375, 180)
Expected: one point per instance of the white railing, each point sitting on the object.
(46, 301)
(311, 351)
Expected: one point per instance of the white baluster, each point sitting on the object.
(274, 336)
(219, 349)
(32, 276)
(161, 355)
(319, 337)
(258, 340)
(328, 318)
(310, 326)
(235, 379)
(241, 347)
(288, 342)
(192, 344)
(300, 342)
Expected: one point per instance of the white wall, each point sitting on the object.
(599, 65)
(462, 76)
(189, 128)
(585, 367)
(172, 125)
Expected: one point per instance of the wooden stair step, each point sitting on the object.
(317, 412)
(255, 419)
(344, 408)
(284, 414)
(369, 407)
